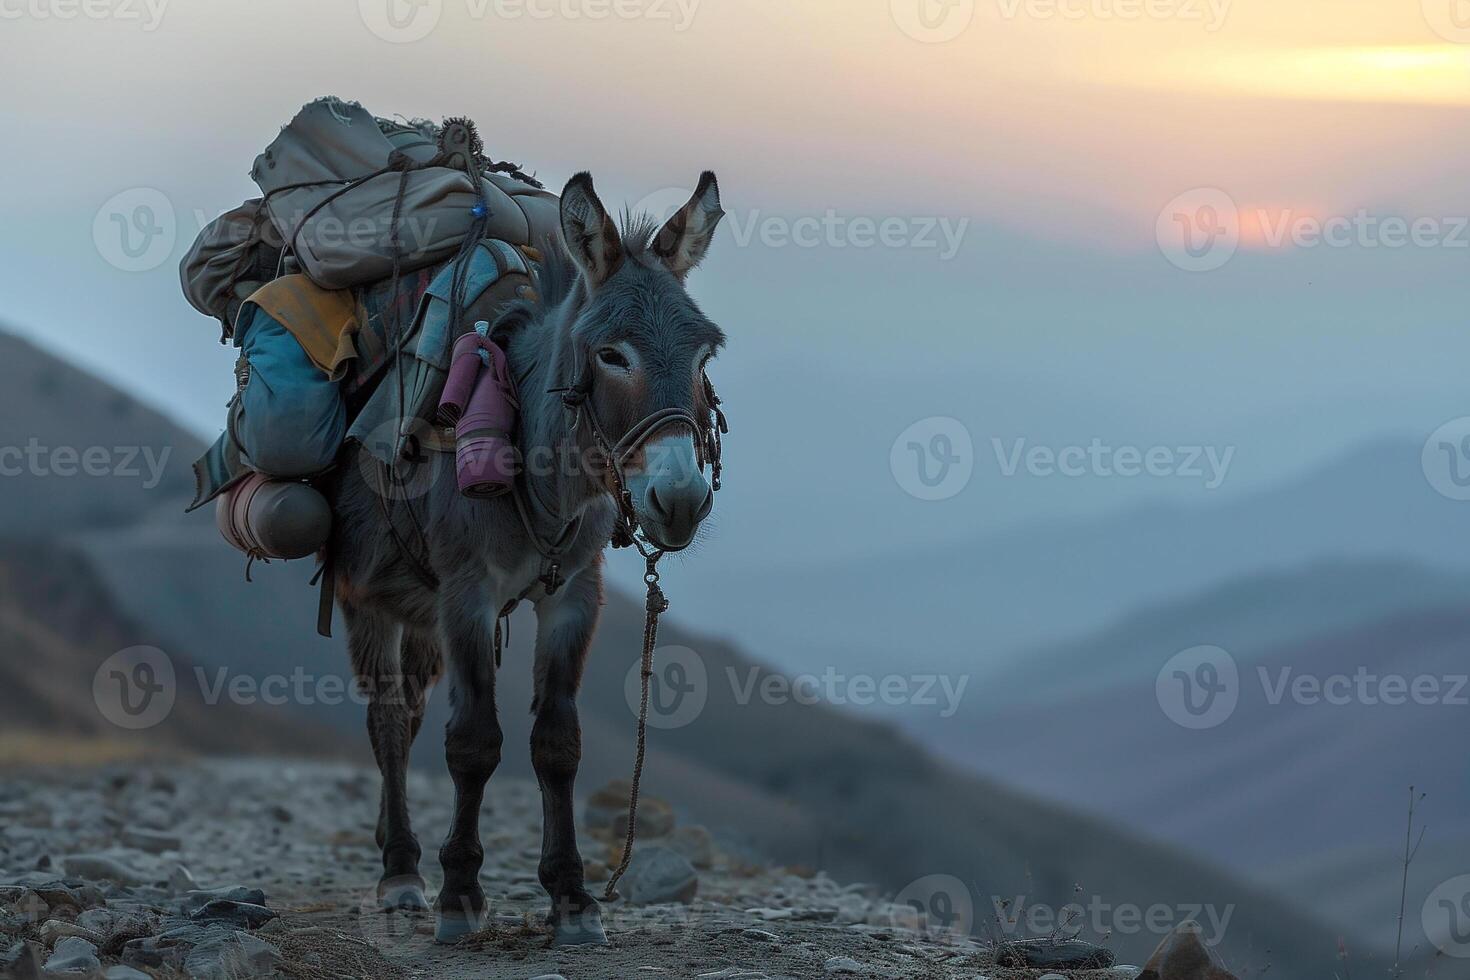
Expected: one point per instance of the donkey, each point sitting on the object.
(615, 322)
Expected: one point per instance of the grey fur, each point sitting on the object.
(403, 634)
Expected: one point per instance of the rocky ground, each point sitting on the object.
(246, 868)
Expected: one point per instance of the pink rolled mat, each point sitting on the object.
(479, 401)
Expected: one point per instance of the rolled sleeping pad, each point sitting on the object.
(270, 518)
(479, 401)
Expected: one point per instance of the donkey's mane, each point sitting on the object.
(556, 278)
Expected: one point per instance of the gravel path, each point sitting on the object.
(130, 845)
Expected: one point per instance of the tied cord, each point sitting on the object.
(656, 605)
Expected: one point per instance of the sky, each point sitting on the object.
(1233, 224)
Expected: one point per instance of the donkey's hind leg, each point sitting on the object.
(565, 626)
(472, 741)
(393, 710)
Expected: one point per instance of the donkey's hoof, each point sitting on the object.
(403, 895)
(450, 928)
(581, 929)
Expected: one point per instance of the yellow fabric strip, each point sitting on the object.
(324, 321)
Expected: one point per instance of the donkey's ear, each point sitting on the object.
(592, 239)
(682, 243)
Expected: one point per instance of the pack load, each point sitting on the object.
(350, 199)
(374, 244)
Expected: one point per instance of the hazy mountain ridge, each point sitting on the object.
(59, 623)
(985, 603)
(809, 785)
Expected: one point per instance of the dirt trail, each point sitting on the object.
(302, 833)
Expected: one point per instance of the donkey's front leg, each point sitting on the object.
(566, 622)
(472, 741)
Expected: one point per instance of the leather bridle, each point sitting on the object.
(708, 435)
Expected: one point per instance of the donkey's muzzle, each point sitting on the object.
(670, 492)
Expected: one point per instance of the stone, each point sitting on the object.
(151, 841)
(655, 819)
(658, 875)
(104, 867)
(1054, 954)
(232, 956)
(22, 961)
(607, 812)
(240, 915)
(181, 879)
(199, 898)
(1184, 956)
(695, 843)
(53, 930)
(121, 972)
(118, 926)
(73, 957)
(844, 966)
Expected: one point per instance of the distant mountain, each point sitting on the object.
(76, 453)
(1249, 616)
(58, 627)
(979, 605)
(1310, 771)
(1337, 769)
(805, 783)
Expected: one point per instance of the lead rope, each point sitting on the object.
(657, 605)
(625, 534)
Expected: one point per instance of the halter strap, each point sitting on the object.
(645, 430)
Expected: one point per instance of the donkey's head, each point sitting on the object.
(645, 345)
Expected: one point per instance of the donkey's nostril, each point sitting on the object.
(657, 506)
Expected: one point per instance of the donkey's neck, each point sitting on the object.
(543, 358)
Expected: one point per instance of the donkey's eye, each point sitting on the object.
(613, 357)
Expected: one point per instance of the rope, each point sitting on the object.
(657, 604)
